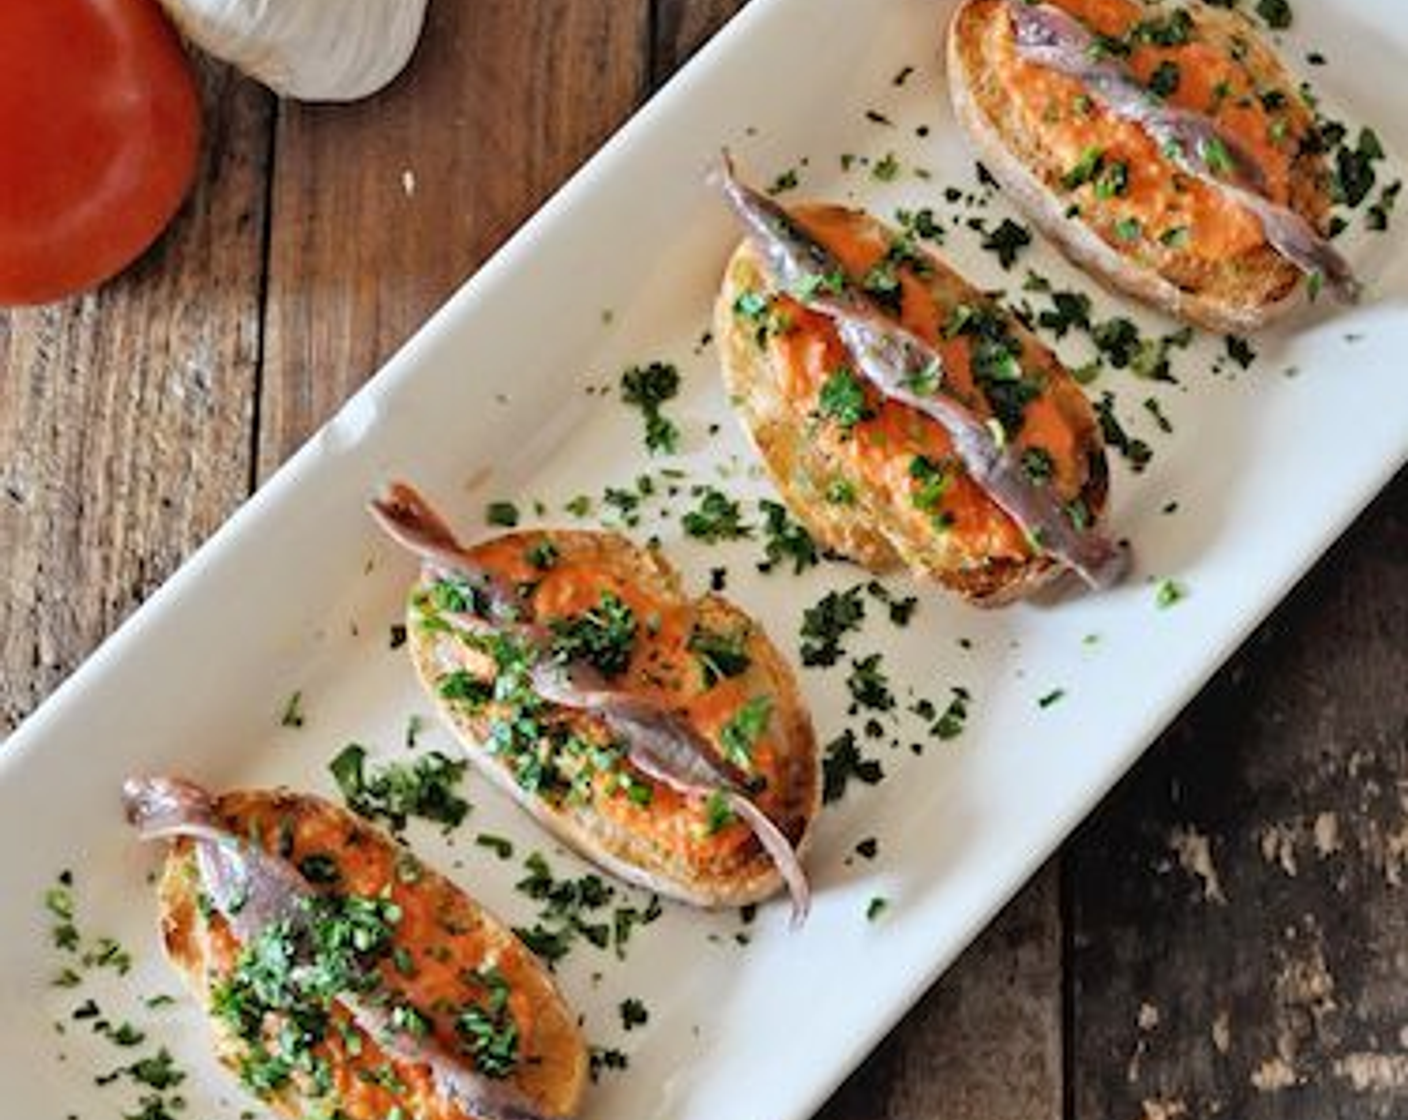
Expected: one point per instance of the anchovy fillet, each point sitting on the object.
(895, 360)
(1055, 40)
(254, 890)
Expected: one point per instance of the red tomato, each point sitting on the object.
(99, 132)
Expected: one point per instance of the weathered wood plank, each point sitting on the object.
(125, 415)
(1241, 902)
(986, 1041)
(681, 27)
(383, 207)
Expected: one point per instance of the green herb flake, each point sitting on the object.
(887, 168)
(842, 399)
(740, 735)
(843, 763)
(501, 513)
(786, 540)
(722, 655)
(397, 791)
(602, 636)
(633, 1013)
(875, 908)
(293, 711)
(1276, 14)
(825, 625)
(1169, 592)
(648, 388)
(717, 518)
(500, 846)
(1007, 242)
(869, 686)
(1163, 82)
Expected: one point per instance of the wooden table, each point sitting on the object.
(1228, 936)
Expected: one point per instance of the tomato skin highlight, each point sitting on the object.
(100, 116)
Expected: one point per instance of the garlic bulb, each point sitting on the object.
(313, 50)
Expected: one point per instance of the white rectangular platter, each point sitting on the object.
(489, 401)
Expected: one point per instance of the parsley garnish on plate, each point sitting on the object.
(825, 625)
(648, 388)
(396, 791)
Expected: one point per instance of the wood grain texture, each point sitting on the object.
(681, 27)
(985, 1042)
(1240, 904)
(125, 415)
(381, 208)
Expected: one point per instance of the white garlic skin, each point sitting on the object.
(311, 50)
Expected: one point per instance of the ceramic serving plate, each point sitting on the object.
(495, 399)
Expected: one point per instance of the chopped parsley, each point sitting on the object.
(503, 514)
(1052, 697)
(869, 686)
(577, 909)
(1135, 451)
(842, 399)
(1376, 218)
(717, 518)
(499, 845)
(953, 718)
(1085, 169)
(293, 711)
(786, 181)
(1240, 351)
(843, 763)
(1113, 180)
(602, 636)
(1276, 14)
(1007, 242)
(543, 554)
(786, 540)
(997, 368)
(648, 388)
(721, 655)
(825, 625)
(397, 791)
(1038, 465)
(887, 168)
(487, 1030)
(1168, 592)
(875, 908)
(740, 734)
(757, 309)
(633, 1013)
(1163, 82)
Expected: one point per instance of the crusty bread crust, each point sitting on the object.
(555, 1077)
(869, 531)
(792, 803)
(1239, 295)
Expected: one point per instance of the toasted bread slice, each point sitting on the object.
(563, 766)
(857, 488)
(442, 940)
(1154, 232)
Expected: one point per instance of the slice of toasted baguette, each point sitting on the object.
(982, 555)
(640, 830)
(442, 937)
(1236, 291)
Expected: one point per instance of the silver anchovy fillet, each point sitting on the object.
(1052, 38)
(254, 890)
(895, 360)
(659, 742)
